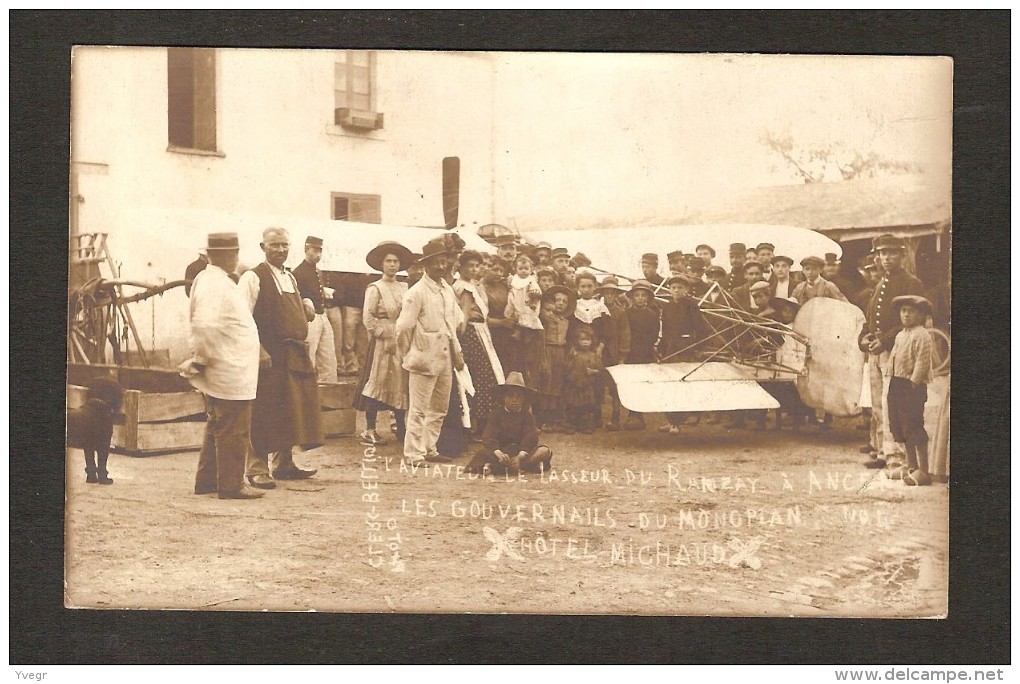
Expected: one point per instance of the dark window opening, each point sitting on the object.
(191, 98)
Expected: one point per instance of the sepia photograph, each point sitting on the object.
(398, 331)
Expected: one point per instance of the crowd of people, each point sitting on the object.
(482, 353)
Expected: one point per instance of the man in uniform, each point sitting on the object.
(650, 273)
(224, 367)
(321, 348)
(738, 255)
(506, 250)
(716, 275)
(426, 332)
(879, 335)
(286, 410)
(676, 263)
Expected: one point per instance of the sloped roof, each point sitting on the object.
(854, 206)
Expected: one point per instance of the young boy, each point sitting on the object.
(510, 441)
(546, 278)
(643, 321)
(557, 310)
(682, 327)
(909, 374)
(618, 343)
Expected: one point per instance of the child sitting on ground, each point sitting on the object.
(510, 441)
(909, 374)
(581, 390)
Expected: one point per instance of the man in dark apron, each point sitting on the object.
(286, 409)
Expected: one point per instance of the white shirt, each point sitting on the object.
(224, 337)
(783, 288)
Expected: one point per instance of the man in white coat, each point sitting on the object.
(224, 366)
(426, 332)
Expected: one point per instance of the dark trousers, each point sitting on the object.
(226, 444)
(905, 405)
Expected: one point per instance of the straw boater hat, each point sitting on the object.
(571, 296)
(378, 253)
(514, 379)
(922, 304)
(221, 242)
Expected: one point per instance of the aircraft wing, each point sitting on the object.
(835, 366)
(713, 386)
(618, 249)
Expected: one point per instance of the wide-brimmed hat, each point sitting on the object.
(556, 289)
(514, 379)
(913, 300)
(776, 302)
(375, 256)
(812, 261)
(216, 242)
(611, 282)
(641, 284)
(433, 248)
(780, 258)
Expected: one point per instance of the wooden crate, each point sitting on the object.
(161, 412)
(337, 402)
(152, 423)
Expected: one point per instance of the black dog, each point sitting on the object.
(90, 428)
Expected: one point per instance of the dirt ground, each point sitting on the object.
(715, 521)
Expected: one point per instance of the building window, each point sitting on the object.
(191, 98)
(359, 208)
(354, 96)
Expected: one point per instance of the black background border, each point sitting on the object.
(978, 627)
